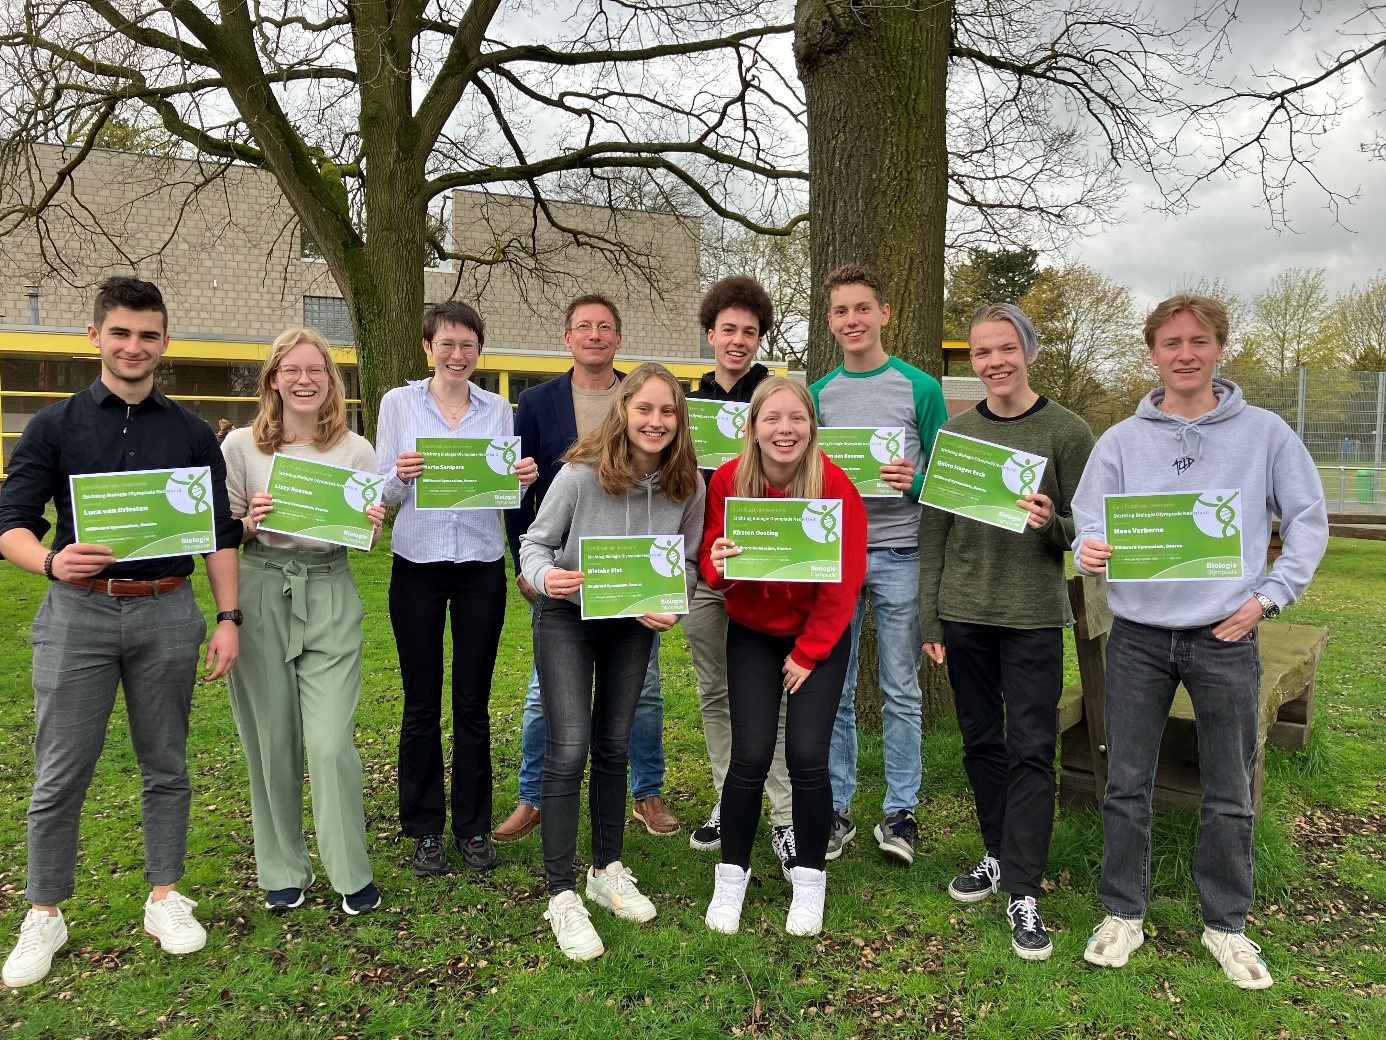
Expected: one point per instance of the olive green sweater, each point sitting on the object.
(971, 571)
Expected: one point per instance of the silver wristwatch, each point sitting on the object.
(1269, 608)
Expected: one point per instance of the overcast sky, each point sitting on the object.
(1229, 234)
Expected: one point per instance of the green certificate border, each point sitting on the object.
(708, 423)
(145, 514)
(1175, 536)
(459, 473)
(853, 448)
(630, 575)
(785, 539)
(321, 501)
(981, 480)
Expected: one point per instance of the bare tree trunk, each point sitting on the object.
(875, 80)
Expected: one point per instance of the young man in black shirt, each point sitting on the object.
(105, 623)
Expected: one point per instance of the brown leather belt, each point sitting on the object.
(127, 586)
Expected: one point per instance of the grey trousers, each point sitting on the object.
(85, 645)
(706, 629)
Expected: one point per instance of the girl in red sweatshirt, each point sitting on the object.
(788, 639)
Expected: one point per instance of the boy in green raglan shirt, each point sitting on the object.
(994, 606)
(871, 388)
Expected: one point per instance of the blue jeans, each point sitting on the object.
(590, 674)
(646, 738)
(1144, 666)
(892, 583)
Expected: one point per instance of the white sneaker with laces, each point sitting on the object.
(728, 895)
(615, 889)
(1240, 958)
(170, 920)
(572, 928)
(806, 908)
(40, 936)
(1114, 940)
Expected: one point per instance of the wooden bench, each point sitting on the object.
(1290, 656)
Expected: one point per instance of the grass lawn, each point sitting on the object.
(472, 956)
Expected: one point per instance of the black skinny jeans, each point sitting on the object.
(755, 688)
(1006, 685)
(590, 677)
(422, 596)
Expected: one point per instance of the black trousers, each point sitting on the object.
(755, 689)
(1006, 684)
(422, 596)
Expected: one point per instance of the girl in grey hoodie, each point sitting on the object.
(636, 474)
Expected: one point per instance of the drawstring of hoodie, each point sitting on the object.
(1187, 429)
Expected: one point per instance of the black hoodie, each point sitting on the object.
(711, 390)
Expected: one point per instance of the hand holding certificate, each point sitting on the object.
(321, 501)
(468, 473)
(861, 451)
(142, 514)
(784, 539)
(628, 576)
(982, 480)
(1179, 536)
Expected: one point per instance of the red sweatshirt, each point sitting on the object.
(816, 612)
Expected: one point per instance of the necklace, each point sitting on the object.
(454, 414)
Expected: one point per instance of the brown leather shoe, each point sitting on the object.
(519, 823)
(655, 815)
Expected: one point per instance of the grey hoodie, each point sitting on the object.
(1236, 445)
(577, 507)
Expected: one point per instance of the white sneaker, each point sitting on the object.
(728, 893)
(806, 908)
(171, 921)
(615, 889)
(40, 936)
(1114, 940)
(572, 928)
(1240, 958)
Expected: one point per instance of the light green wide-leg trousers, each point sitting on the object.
(295, 685)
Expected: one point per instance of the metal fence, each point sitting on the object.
(1341, 418)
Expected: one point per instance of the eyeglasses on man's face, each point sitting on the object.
(586, 328)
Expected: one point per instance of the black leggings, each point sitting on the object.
(755, 687)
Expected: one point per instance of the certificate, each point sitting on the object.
(1178, 536)
(321, 501)
(718, 429)
(861, 451)
(631, 575)
(785, 539)
(468, 473)
(981, 480)
(142, 514)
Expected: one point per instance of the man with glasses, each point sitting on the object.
(552, 416)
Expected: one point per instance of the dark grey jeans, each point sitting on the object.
(590, 675)
(85, 645)
(1144, 666)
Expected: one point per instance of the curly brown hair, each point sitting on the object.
(737, 291)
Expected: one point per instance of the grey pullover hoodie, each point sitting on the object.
(1236, 445)
(576, 506)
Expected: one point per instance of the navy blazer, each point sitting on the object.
(547, 428)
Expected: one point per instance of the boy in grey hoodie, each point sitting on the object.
(1193, 433)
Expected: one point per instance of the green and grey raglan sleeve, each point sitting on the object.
(930, 412)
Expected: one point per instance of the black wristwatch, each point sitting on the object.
(231, 615)
(1270, 610)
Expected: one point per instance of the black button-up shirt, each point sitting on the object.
(94, 431)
